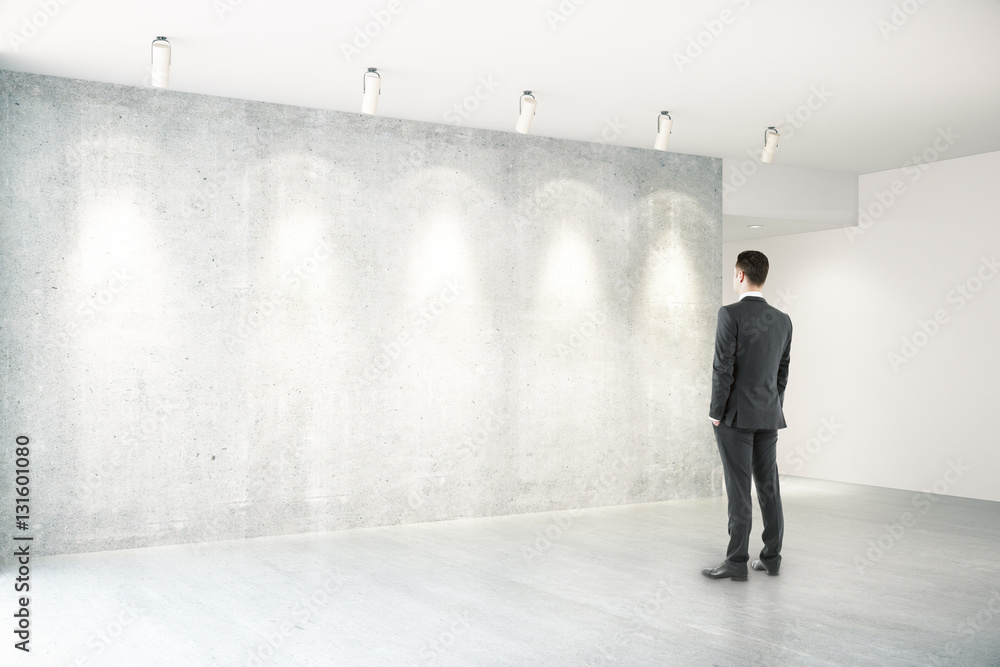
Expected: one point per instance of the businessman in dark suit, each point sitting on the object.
(749, 374)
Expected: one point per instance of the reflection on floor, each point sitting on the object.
(618, 585)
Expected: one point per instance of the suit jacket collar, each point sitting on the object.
(754, 298)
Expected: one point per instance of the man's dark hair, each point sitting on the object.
(753, 264)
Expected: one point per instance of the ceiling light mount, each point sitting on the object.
(159, 59)
(371, 88)
(525, 111)
(770, 144)
(664, 126)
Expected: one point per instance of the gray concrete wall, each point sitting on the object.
(226, 319)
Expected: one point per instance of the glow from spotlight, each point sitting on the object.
(570, 278)
(671, 277)
(112, 235)
(441, 255)
(302, 257)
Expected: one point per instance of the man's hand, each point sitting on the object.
(715, 422)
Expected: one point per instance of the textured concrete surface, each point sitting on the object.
(227, 319)
(602, 586)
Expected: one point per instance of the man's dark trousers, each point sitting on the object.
(744, 451)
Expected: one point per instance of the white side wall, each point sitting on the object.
(879, 393)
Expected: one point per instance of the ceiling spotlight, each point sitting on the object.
(664, 123)
(754, 226)
(371, 87)
(526, 108)
(160, 59)
(770, 144)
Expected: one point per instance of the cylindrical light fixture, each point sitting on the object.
(664, 123)
(371, 88)
(770, 144)
(160, 59)
(526, 111)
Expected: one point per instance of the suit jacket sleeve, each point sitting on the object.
(783, 367)
(722, 365)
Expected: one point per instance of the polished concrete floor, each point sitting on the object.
(870, 577)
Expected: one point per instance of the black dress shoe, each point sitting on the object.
(726, 571)
(757, 565)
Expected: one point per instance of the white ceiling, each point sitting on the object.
(609, 64)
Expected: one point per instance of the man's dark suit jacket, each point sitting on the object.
(750, 370)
